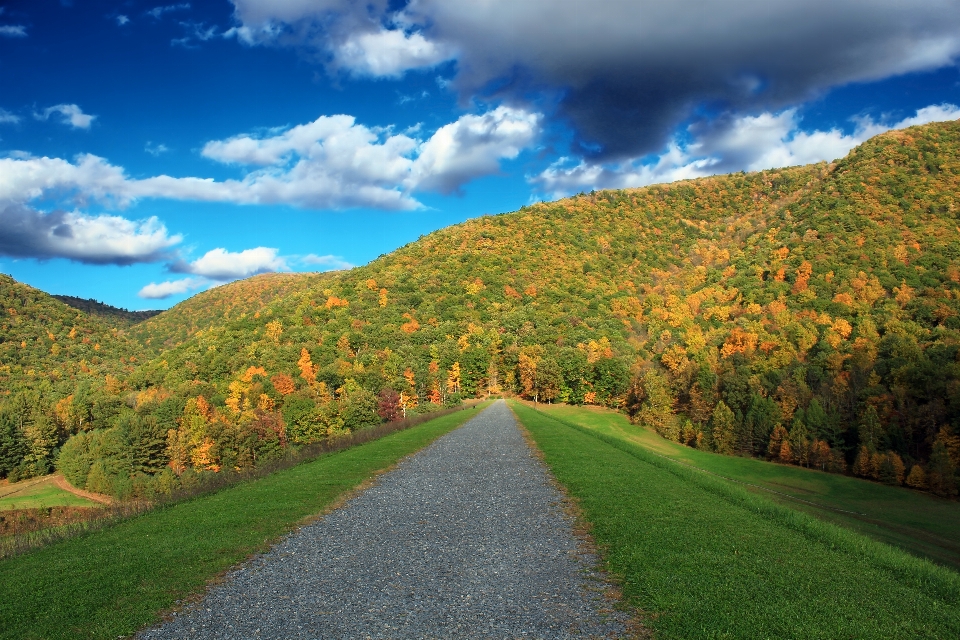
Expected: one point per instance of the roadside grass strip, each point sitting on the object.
(109, 583)
(703, 558)
(918, 522)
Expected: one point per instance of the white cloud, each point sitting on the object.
(8, 118)
(327, 263)
(331, 163)
(473, 146)
(220, 264)
(155, 149)
(748, 143)
(194, 33)
(70, 114)
(157, 12)
(389, 53)
(92, 239)
(155, 291)
(122, 20)
(13, 30)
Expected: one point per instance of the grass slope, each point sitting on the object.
(917, 522)
(704, 559)
(110, 583)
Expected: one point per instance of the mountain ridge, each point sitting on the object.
(815, 306)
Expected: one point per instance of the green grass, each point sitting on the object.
(39, 495)
(917, 522)
(704, 558)
(112, 582)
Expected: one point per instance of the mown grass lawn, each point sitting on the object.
(112, 582)
(704, 558)
(920, 523)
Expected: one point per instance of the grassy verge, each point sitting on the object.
(703, 558)
(920, 523)
(112, 582)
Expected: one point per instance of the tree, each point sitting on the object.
(611, 379)
(388, 405)
(307, 371)
(799, 443)
(863, 464)
(777, 436)
(13, 444)
(653, 402)
(724, 426)
(917, 478)
(891, 469)
(283, 384)
(941, 472)
(453, 379)
(548, 379)
(764, 414)
(527, 372)
(358, 407)
(870, 433)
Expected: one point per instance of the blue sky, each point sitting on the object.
(151, 150)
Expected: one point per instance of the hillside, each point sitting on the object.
(59, 372)
(113, 316)
(221, 304)
(808, 315)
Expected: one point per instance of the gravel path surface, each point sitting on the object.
(465, 539)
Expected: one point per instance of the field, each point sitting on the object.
(702, 557)
(39, 493)
(111, 582)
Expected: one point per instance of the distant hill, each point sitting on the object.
(167, 329)
(810, 315)
(113, 316)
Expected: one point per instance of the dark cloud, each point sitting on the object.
(625, 73)
(28, 233)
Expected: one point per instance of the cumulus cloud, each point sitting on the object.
(473, 146)
(70, 114)
(220, 264)
(158, 291)
(389, 53)
(122, 20)
(8, 118)
(102, 239)
(623, 73)
(330, 163)
(327, 263)
(13, 30)
(749, 143)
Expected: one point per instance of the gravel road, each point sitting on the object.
(465, 539)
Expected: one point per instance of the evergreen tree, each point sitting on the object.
(724, 426)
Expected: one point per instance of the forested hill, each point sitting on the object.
(809, 315)
(59, 368)
(218, 305)
(113, 316)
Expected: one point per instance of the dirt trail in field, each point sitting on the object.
(61, 482)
